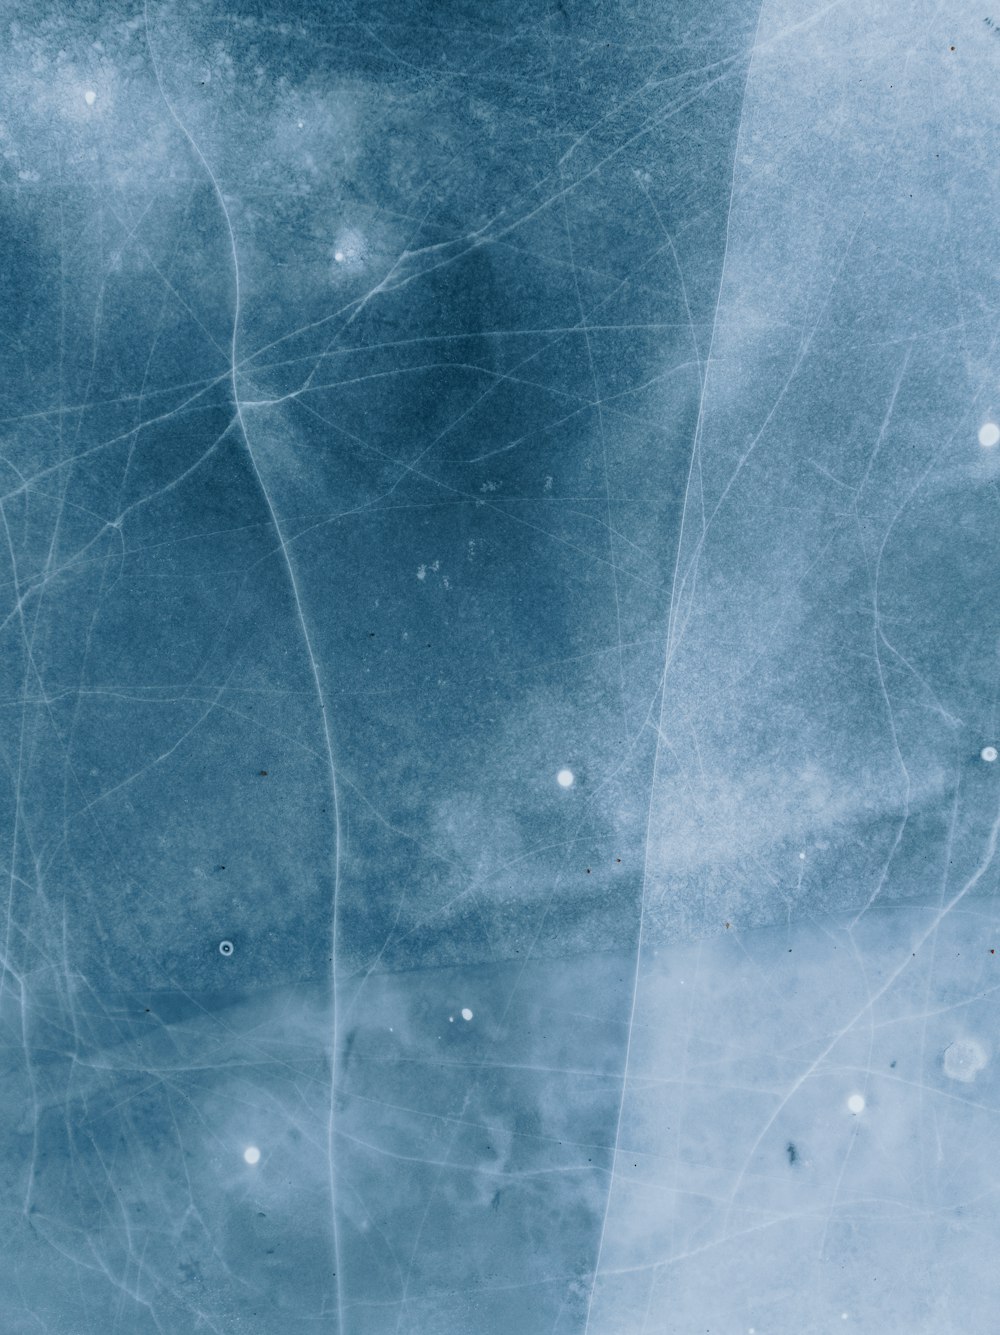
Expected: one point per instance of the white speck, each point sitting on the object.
(421, 572)
(988, 753)
(989, 434)
(856, 1104)
(90, 97)
(466, 1013)
(565, 778)
(301, 123)
(225, 948)
(964, 1059)
(351, 249)
(802, 857)
(843, 1316)
(451, 1019)
(251, 1154)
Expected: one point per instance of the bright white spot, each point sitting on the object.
(964, 1059)
(989, 434)
(90, 97)
(802, 857)
(301, 123)
(350, 249)
(843, 1316)
(856, 1104)
(988, 753)
(451, 1019)
(225, 947)
(466, 1013)
(252, 1154)
(565, 778)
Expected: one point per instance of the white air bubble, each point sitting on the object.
(350, 249)
(989, 434)
(988, 753)
(251, 1154)
(964, 1059)
(225, 948)
(856, 1104)
(466, 1013)
(565, 778)
(90, 97)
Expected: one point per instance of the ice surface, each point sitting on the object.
(499, 668)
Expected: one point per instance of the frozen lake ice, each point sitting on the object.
(499, 675)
